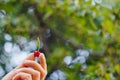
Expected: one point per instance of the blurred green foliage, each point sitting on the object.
(65, 26)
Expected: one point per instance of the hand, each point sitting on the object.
(29, 69)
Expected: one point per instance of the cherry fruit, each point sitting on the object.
(36, 54)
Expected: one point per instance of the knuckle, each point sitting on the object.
(37, 73)
(45, 73)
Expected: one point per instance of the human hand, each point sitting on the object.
(29, 69)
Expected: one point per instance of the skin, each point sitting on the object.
(29, 69)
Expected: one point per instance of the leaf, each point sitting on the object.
(117, 68)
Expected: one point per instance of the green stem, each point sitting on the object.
(38, 43)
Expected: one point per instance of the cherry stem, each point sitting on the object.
(38, 43)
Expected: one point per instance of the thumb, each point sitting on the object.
(29, 57)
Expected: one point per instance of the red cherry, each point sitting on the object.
(36, 54)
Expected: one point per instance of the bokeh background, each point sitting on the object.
(80, 38)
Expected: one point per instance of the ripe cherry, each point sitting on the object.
(36, 54)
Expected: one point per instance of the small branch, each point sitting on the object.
(64, 38)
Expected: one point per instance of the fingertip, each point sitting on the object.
(41, 55)
(30, 57)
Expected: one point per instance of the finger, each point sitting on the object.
(35, 74)
(43, 61)
(22, 76)
(34, 65)
(30, 57)
(9, 75)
